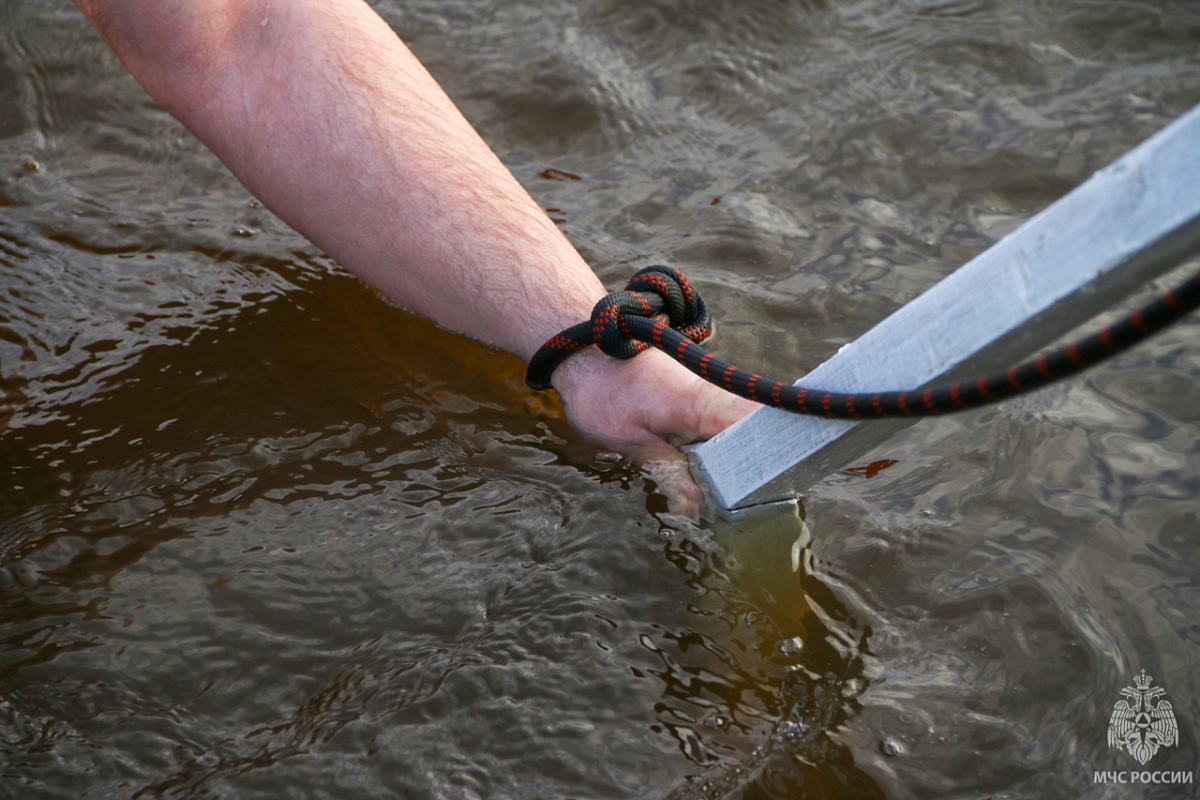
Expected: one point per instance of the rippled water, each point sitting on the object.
(264, 535)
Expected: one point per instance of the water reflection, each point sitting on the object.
(316, 525)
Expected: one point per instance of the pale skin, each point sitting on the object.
(320, 110)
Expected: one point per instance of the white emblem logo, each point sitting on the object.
(1143, 724)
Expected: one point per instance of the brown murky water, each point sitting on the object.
(263, 535)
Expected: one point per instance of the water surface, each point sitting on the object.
(264, 535)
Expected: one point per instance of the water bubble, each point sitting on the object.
(789, 731)
(791, 646)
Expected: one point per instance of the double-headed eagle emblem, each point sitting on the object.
(1143, 724)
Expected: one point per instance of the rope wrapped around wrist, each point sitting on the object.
(660, 308)
(628, 322)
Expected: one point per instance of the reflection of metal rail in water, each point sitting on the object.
(806, 632)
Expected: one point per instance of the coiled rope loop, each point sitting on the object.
(662, 295)
(660, 307)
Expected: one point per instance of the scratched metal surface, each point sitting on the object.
(263, 535)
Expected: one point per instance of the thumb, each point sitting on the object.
(696, 409)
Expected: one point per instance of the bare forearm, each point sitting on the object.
(324, 114)
(327, 118)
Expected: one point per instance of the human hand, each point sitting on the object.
(645, 409)
(335, 126)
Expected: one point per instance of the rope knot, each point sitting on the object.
(660, 308)
(660, 294)
(683, 305)
(608, 323)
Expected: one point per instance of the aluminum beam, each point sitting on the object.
(1127, 224)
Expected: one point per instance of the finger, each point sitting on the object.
(664, 464)
(668, 468)
(696, 409)
(719, 409)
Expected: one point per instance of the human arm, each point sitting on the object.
(327, 118)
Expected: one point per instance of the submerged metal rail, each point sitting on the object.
(1127, 224)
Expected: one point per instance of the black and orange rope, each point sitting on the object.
(659, 307)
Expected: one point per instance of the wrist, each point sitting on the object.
(581, 369)
(589, 374)
(576, 290)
